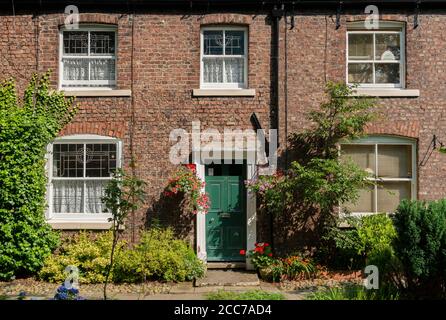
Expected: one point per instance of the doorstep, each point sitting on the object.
(226, 265)
(229, 277)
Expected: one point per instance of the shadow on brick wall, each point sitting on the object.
(167, 212)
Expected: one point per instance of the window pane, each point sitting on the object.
(395, 161)
(75, 69)
(68, 196)
(213, 42)
(234, 70)
(235, 42)
(387, 73)
(360, 73)
(390, 194)
(94, 191)
(102, 69)
(213, 70)
(101, 160)
(360, 46)
(68, 160)
(102, 43)
(365, 202)
(75, 42)
(387, 46)
(362, 155)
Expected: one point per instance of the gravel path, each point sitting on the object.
(40, 289)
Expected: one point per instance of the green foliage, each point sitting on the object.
(421, 247)
(90, 254)
(367, 240)
(317, 181)
(352, 292)
(163, 257)
(247, 295)
(27, 126)
(158, 256)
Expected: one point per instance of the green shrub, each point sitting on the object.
(27, 126)
(88, 254)
(164, 257)
(158, 256)
(366, 240)
(247, 295)
(421, 247)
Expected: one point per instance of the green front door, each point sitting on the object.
(226, 219)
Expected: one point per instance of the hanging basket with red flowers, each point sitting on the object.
(185, 182)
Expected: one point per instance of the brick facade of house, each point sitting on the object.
(158, 59)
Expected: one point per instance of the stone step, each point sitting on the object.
(231, 277)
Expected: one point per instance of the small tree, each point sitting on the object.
(27, 126)
(123, 195)
(317, 181)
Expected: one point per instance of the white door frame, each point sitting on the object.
(251, 218)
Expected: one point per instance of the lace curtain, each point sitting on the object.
(68, 196)
(100, 69)
(232, 72)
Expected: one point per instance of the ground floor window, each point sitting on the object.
(79, 169)
(391, 162)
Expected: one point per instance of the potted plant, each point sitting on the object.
(262, 259)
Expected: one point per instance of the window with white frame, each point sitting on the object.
(88, 57)
(224, 57)
(391, 163)
(375, 58)
(79, 172)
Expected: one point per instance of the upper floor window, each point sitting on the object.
(88, 57)
(375, 58)
(224, 57)
(391, 163)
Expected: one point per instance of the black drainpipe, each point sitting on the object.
(276, 14)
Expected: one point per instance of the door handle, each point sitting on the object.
(225, 215)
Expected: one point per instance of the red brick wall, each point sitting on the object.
(166, 53)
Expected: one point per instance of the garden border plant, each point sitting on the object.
(27, 126)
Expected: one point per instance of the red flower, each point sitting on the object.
(266, 244)
(242, 252)
(270, 255)
(191, 166)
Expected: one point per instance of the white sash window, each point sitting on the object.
(88, 58)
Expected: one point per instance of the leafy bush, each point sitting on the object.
(421, 247)
(367, 240)
(164, 257)
(158, 256)
(247, 295)
(317, 181)
(26, 127)
(89, 255)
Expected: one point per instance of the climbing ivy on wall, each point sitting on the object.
(27, 125)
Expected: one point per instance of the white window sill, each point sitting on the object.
(383, 92)
(97, 93)
(224, 92)
(79, 225)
